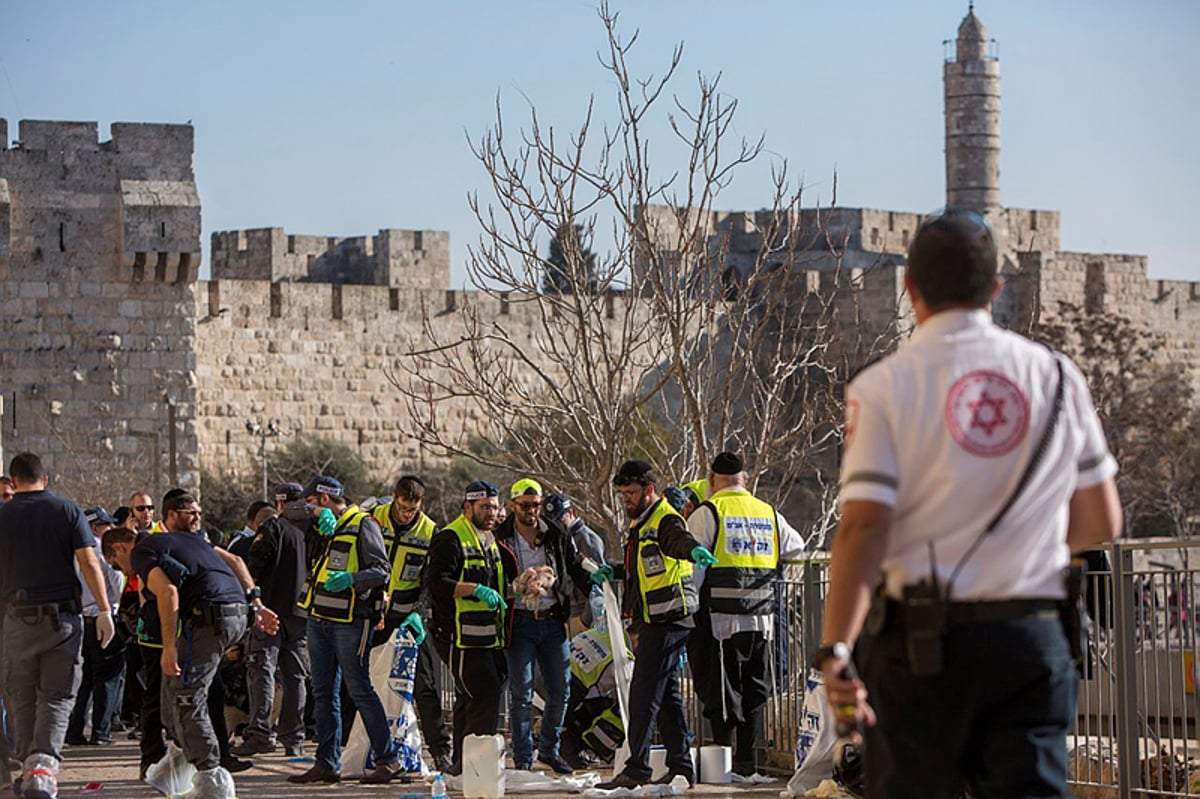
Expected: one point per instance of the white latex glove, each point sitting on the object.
(106, 629)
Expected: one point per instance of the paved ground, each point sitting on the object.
(116, 768)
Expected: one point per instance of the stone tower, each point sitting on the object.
(972, 87)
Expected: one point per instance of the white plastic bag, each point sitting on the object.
(815, 740)
(394, 668)
(173, 774)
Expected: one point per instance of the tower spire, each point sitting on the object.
(972, 106)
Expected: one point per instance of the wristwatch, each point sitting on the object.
(253, 594)
(838, 649)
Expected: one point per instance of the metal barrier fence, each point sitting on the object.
(1138, 717)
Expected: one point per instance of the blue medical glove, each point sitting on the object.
(490, 597)
(604, 573)
(339, 581)
(703, 558)
(326, 522)
(416, 625)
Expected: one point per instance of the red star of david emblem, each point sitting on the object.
(987, 413)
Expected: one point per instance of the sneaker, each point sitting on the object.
(294, 749)
(135, 734)
(103, 740)
(76, 740)
(317, 773)
(254, 746)
(621, 780)
(383, 773)
(442, 762)
(556, 762)
(233, 765)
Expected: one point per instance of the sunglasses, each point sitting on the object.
(143, 507)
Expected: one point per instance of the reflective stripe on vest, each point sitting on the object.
(667, 589)
(476, 627)
(406, 553)
(605, 734)
(747, 549)
(341, 555)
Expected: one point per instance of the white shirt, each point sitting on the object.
(943, 429)
(114, 584)
(529, 557)
(702, 524)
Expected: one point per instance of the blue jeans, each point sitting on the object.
(340, 651)
(546, 641)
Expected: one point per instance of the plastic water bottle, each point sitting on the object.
(439, 788)
(596, 602)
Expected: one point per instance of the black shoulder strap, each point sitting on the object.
(1038, 453)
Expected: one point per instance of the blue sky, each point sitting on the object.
(343, 118)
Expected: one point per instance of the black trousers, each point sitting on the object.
(654, 696)
(100, 684)
(479, 674)
(152, 745)
(995, 720)
(738, 694)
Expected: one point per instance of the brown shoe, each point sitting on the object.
(383, 773)
(316, 774)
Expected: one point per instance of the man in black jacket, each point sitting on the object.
(539, 623)
(278, 563)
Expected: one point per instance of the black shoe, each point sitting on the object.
(667, 778)
(455, 770)
(119, 726)
(442, 762)
(254, 746)
(135, 734)
(316, 774)
(103, 740)
(233, 765)
(621, 780)
(76, 740)
(294, 749)
(556, 762)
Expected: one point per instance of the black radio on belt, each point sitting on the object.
(925, 611)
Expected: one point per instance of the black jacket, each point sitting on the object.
(278, 562)
(561, 555)
(439, 575)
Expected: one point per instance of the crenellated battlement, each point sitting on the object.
(395, 258)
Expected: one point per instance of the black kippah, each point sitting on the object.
(727, 463)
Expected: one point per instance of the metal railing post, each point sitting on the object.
(1129, 775)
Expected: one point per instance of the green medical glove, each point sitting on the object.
(603, 574)
(703, 558)
(416, 625)
(490, 597)
(326, 522)
(339, 581)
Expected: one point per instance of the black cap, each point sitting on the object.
(98, 515)
(480, 489)
(635, 472)
(324, 484)
(727, 463)
(556, 505)
(289, 492)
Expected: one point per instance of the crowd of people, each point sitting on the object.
(127, 622)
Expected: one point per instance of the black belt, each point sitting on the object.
(984, 611)
(551, 612)
(214, 613)
(46, 608)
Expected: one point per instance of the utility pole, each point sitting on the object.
(271, 429)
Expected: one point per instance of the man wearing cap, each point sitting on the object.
(588, 543)
(467, 578)
(728, 651)
(279, 564)
(344, 598)
(539, 625)
(661, 599)
(407, 532)
(102, 666)
(42, 538)
(204, 601)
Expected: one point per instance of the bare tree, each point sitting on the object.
(693, 331)
(1145, 406)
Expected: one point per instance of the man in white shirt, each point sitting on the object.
(729, 648)
(955, 496)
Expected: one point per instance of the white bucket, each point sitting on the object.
(483, 767)
(716, 764)
(658, 762)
